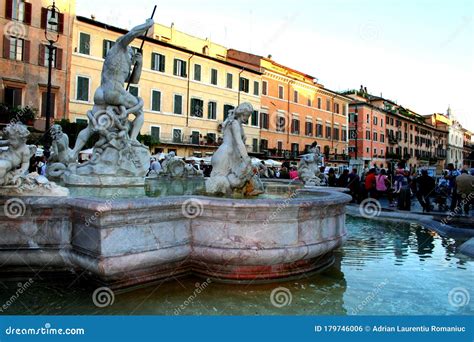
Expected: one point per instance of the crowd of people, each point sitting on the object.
(453, 191)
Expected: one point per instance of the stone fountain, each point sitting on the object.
(228, 231)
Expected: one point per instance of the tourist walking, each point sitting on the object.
(425, 186)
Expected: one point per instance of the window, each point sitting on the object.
(319, 130)
(134, 90)
(264, 88)
(255, 145)
(381, 123)
(106, 46)
(375, 121)
(367, 135)
(319, 103)
(328, 105)
(178, 104)
(264, 123)
(84, 43)
(13, 97)
(156, 100)
(214, 76)
(280, 92)
(344, 134)
(263, 145)
(280, 124)
(336, 133)
(212, 110)
(227, 109)
(309, 103)
(229, 81)
(256, 88)
(328, 132)
(82, 91)
(195, 137)
(280, 146)
(336, 108)
(179, 68)
(16, 48)
(344, 110)
(197, 108)
(254, 119)
(295, 96)
(368, 118)
(158, 62)
(211, 138)
(197, 72)
(295, 149)
(244, 85)
(309, 128)
(295, 126)
(18, 10)
(382, 138)
(375, 136)
(177, 135)
(155, 132)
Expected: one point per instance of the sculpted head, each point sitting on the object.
(243, 111)
(56, 131)
(16, 134)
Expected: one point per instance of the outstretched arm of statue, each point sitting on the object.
(134, 33)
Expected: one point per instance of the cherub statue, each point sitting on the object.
(59, 146)
(14, 161)
(308, 169)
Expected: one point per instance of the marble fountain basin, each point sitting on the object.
(129, 241)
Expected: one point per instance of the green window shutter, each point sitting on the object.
(153, 61)
(162, 63)
(175, 67)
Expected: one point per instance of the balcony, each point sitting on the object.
(181, 139)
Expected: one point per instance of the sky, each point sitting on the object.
(417, 53)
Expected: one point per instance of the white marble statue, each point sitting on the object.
(14, 163)
(117, 158)
(232, 169)
(308, 169)
(175, 167)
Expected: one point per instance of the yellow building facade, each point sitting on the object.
(186, 92)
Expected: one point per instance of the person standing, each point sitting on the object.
(354, 185)
(465, 190)
(425, 186)
(381, 183)
(332, 181)
(343, 180)
(370, 183)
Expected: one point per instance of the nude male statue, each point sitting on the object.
(115, 73)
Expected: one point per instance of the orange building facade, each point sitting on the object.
(24, 56)
(296, 111)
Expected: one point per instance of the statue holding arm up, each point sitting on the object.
(115, 73)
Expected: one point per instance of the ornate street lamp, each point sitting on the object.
(51, 33)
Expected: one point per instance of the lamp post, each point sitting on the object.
(51, 34)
